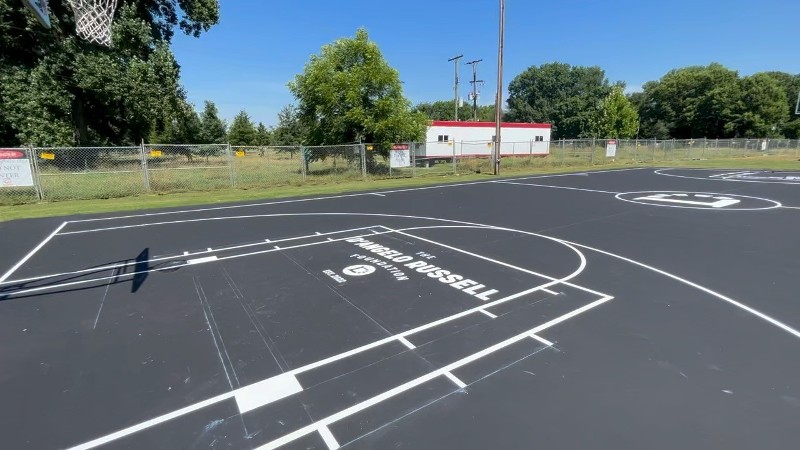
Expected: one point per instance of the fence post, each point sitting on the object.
(145, 170)
(591, 156)
(37, 180)
(303, 161)
(363, 152)
(413, 147)
(454, 155)
(230, 166)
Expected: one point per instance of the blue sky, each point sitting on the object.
(246, 60)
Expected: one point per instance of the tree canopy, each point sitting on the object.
(566, 96)
(56, 89)
(715, 102)
(242, 130)
(213, 130)
(444, 110)
(616, 117)
(349, 93)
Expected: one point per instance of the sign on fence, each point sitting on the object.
(156, 153)
(400, 156)
(15, 169)
(48, 156)
(611, 149)
(240, 153)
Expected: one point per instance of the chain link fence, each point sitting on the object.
(67, 173)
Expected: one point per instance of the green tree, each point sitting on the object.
(698, 101)
(651, 125)
(790, 126)
(263, 135)
(444, 110)
(181, 126)
(762, 109)
(289, 130)
(616, 117)
(242, 131)
(212, 128)
(56, 89)
(566, 96)
(349, 93)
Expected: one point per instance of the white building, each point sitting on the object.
(474, 139)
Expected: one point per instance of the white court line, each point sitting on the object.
(544, 341)
(393, 191)
(571, 174)
(328, 438)
(166, 258)
(397, 337)
(423, 379)
(662, 172)
(153, 422)
(501, 263)
(407, 343)
(31, 253)
(455, 380)
(556, 187)
(207, 259)
(730, 174)
(724, 298)
(551, 292)
(488, 313)
(477, 225)
(791, 207)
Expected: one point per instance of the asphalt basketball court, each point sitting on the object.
(635, 308)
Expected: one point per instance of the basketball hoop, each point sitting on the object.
(93, 19)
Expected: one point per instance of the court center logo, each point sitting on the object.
(699, 200)
(359, 270)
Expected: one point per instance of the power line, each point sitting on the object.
(474, 94)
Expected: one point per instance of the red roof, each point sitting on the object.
(465, 124)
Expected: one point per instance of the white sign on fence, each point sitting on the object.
(400, 156)
(15, 171)
(611, 149)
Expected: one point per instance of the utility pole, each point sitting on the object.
(455, 60)
(474, 83)
(498, 107)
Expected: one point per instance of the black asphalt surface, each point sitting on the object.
(612, 310)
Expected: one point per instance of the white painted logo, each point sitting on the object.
(699, 200)
(359, 270)
(705, 200)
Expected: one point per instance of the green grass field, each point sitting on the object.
(284, 179)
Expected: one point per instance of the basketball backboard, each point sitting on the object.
(39, 8)
(797, 108)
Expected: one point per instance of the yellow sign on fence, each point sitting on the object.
(240, 153)
(370, 148)
(156, 153)
(50, 156)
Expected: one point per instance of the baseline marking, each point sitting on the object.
(341, 196)
(556, 187)
(32, 252)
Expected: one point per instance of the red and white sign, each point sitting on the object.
(11, 154)
(400, 156)
(611, 149)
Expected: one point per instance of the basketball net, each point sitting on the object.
(93, 19)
